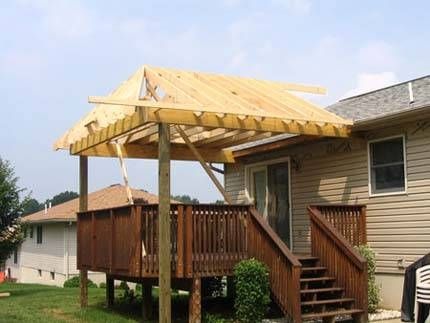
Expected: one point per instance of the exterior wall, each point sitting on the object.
(336, 171)
(56, 253)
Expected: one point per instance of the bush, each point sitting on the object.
(252, 291)
(213, 318)
(75, 282)
(372, 289)
(123, 285)
(102, 285)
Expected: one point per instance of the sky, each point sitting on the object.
(54, 54)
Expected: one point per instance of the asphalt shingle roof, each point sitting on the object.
(384, 101)
(109, 197)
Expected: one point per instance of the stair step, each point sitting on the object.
(306, 257)
(315, 315)
(311, 269)
(321, 290)
(316, 279)
(329, 301)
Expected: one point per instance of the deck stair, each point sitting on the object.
(321, 298)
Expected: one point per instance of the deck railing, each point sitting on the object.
(349, 220)
(284, 268)
(341, 259)
(206, 240)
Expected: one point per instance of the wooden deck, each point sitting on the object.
(208, 240)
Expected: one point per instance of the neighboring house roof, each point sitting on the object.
(385, 101)
(109, 197)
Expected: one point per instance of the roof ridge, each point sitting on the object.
(383, 88)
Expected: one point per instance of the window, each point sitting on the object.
(387, 166)
(39, 233)
(52, 275)
(39, 272)
(15, 256)
(31, 232)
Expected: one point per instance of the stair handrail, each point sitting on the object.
(284, 279)
(342, 260)
(264, 225)
(337, 237)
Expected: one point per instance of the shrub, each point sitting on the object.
(213, 318)
(372, 289)
(212, 286)
(74, 282)
(102, 285)
(123, 285)
(252, 291)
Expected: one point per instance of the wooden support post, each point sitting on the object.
(189, 241)
(83, 206)
(180, 242)
(110, 291)
(146, 301)
(195, 302)
(164, 222)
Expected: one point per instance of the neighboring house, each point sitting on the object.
(384, 165)
(48, 254)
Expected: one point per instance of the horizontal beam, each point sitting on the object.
(198, 109)
(231, 121)
(178, 152)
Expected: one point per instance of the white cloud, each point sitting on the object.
(21, 64)
(379, 55)
(296, 6)
(62, 18)
(372, 81)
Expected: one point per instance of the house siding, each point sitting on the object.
(56, 253)
(336, 171)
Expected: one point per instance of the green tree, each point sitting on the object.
(185, 199)
(31, 205)
(11, 209)
(62, 197)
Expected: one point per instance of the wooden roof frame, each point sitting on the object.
(217, 112)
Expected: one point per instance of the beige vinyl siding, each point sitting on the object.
(336, 171)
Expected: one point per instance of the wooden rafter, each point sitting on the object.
(215, 111)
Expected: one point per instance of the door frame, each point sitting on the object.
(249, 185)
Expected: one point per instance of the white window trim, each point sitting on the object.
(369, 167)
(248, 187)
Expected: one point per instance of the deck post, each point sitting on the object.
(83, 206)
(195, 302)
(146, 301)
(164, 223)
(110, 291)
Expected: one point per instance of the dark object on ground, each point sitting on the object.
(408, 299)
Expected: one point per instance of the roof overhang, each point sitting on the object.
(215, 112)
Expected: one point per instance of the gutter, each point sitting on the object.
(360, 124)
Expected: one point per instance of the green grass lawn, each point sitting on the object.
(38, 303)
